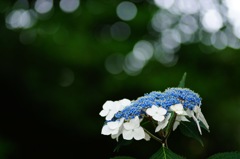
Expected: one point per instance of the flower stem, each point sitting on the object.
(169, 128)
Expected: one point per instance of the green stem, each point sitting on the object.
(169, 128)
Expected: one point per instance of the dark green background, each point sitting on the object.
(40, 119)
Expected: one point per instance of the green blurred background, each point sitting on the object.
(60, 61)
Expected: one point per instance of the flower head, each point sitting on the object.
(125, 116)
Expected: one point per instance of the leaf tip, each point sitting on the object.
(182, 82)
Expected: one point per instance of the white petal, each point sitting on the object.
(154, 107)
(175, 125)
(163, 124)
(103, 112)
(105, 130)
(184, 113)
(152, 111)
(127, 134)
(196, 109)
(196, 121)
(136, 122)
(115, 131)
(147, 137)
(125, 102)
(201, 117)
(189, 112)
(158, 117)
(168, 117)
(179, 118)
(116, 106)
(178, 108)
(179, 112)
(107, 105)
(113, 124)
(159, 127)
(110, 115)
(115, 136)
(121, 121)
(161, 111)
(183, 118)
(128, 126)
(139, 133)
(133, 123)
(156, 112)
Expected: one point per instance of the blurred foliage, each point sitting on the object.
(54, 83)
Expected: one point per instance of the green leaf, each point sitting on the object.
(182, 82)
(225, 155)
(122, 157)
(165, 153)
(189, 129)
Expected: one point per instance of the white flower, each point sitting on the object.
(199, 117)
(178, 108)
(181, 113)
(177, 121)
(124, 103)
(163, 124)
(113, 128)
(115, 136)
(132, 129)
(110, 108)
(157, 113)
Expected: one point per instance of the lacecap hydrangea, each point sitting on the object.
(124, 117)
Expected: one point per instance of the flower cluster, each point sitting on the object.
(125, 116)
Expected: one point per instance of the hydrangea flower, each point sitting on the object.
(163, 124)
(125, 116)
(177, 121)
(199, 117)
(178, 108)
(157, 113)
(110, 108)
(181, 113)
(112, 127)
(132, 129)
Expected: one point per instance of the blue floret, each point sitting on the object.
(169, 97)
